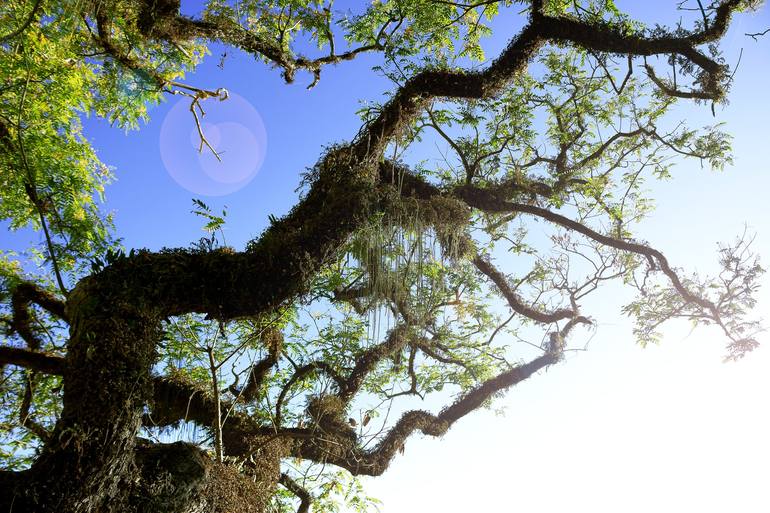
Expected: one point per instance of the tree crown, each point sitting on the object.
(394, 278)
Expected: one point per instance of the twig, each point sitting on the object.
(197, 94)
(756, 35)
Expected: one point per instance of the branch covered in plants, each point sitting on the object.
(376, 460)
(273, 340)
(301, 373)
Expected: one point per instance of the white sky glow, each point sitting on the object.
(620, 428)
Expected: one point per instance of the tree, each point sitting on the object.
(106, 347)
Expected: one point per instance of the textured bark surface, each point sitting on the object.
(94, 462)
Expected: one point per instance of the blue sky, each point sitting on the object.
(616, 427)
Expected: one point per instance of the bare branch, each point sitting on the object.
(756, 35)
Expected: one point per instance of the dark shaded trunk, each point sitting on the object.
(94, 461)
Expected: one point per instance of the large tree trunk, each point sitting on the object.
(95, 461)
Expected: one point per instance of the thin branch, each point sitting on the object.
(756, 35)
(217, 424)
(26, 23)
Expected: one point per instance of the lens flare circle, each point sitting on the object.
(234, 129)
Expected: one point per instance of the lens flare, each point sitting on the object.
(232, 127)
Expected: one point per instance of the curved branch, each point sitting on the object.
(670, 90)
(299, 374)
(273, 339)
(232, 33)
(26, 293)
(23, 295)
(396, 340)
(418, 92)
(303, 495)
(514, 300)
(175, 401)
(375, 461)
(632, 247)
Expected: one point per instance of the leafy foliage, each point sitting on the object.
(410, 294)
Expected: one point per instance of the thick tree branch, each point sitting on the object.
(23, 295)
(513, 299)
(418, 92)
(609, 38)
(42, 362)
(303, 495)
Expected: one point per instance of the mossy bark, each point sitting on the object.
(95, 461)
